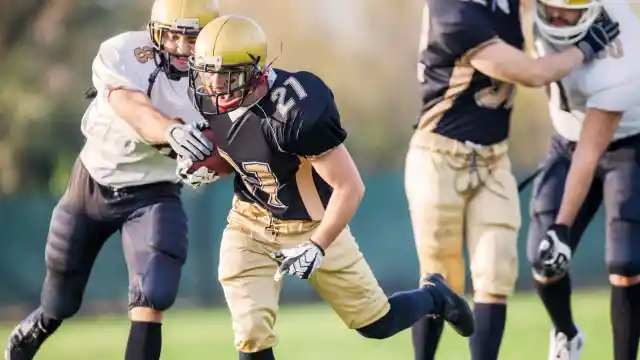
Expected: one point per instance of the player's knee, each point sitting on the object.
(159, 297)
(157, 288)
(494, 266)
(383, 328)
(254, 333)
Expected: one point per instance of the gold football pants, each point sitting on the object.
(458, 191)
(246, 273)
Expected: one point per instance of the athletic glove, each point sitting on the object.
(188, 141)
(196, 178)
(554, 252)
(300, 261)
(601, 33)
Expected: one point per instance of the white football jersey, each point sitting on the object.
(607, 83)
(114, 154)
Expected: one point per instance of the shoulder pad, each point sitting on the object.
(311, 118)
(132, 43)
(301, 93)
(461, 26)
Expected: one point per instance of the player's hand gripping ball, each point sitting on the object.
(197, 173)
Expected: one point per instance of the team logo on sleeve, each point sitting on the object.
(144, 53)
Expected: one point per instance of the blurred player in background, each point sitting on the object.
(594, 155)
(296, 190)
(458, 176)
(121, 182)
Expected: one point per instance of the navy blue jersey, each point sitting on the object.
(270, 145)
(458, 101)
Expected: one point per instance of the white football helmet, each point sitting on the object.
(565, 35)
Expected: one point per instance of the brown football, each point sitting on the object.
(214, 161)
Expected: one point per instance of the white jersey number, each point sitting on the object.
(278, 95)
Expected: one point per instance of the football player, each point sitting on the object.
(458, 175)
(296, 189)
(121, 182)
(593, 156)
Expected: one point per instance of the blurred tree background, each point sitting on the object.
(364, 49)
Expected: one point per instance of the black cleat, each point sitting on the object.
(456, 310)
(26, 338)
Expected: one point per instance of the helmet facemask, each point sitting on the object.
(566, 34)
(238, 81)
(158, 33)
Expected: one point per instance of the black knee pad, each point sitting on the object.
(158, 287)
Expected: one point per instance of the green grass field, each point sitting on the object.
(315, 333)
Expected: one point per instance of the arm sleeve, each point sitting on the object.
(460, 27)
(115, 68)
(312, 135)
(616, 98)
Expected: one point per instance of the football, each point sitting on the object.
(214, 161)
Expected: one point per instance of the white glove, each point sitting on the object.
(199, 177)
(554, 251)
(300, 261)
(187, 140)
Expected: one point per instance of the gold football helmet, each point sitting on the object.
(186, 17)
(171, 19)
(228, 63)
(582, 12)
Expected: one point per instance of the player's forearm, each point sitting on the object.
(577, 187)
(506, 63)
(342, 206)
(554, 67)
(136, 109)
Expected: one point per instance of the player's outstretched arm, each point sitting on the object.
(339, 170)
(136, 109)
(119, 77)
(187, 140)
(597, 131)
(507, 63)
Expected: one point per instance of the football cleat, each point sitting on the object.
(456, 310)
(26, 338)
(561, 348)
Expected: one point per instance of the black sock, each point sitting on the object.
(425, 335)
(145, 341)
(489, 323)
(625, 321)
(406, 308)
(556, 298)
(266, 354)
